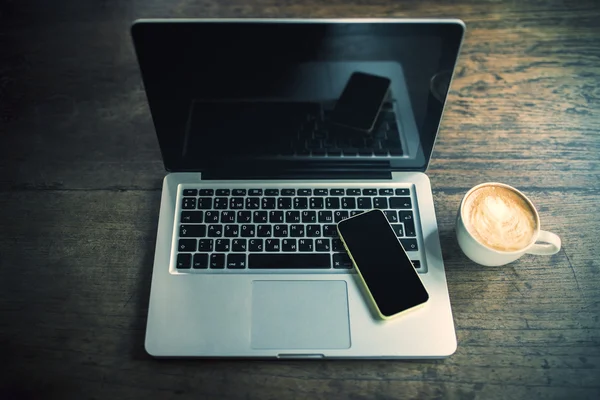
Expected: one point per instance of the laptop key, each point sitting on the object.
(364, 203)
(332, 203)
(187, 245)
(340, 215)
(402, 192)
(205, 245)
(244, 216)
(416, 263)
(353, 192)
(309, 216)
(215, 230)
(221, 203)
(236, 203)
(300, 203)
(184, 261)
(289, 261)
(297, 230)
(337, 245)
(321, 192)
(342, 261)
(255, 192)
(206, 192)
(386, 192)
(323, 245)
(227, 217)
(350, 151)
(259, 217)
(316, 202)
(222, 245)
(200, 261)
(188, 203)
(409, 223)
(398, 230)
(400, 202)
(391, 215)
(205, 203)
(313, 230)
(236, 261)
(304, 192)
(190, 192)
(211, 217)
(288, 245)
(232, 230)
(217, 261)
(276, 217)
(280, 230)
(223, 192)
(268, 203)
(264, 231)
(248, 230)
(405, 216)
(336, 192)
(305, 245)
(292, 217)
(271, 192)
(348, 203)
(409, 244)
(330, 230)
(193, 217)
(255, 245)
(325, 217)
(238, 245)
(252, 203)
(369, 192)
(239, 192)
(355, 212)
(380, 202)
(192, 230)
(272, 245)
(409, 228)
(284, 203)
(288, 192)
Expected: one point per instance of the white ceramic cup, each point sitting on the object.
(484, 255)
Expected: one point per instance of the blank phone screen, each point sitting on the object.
(382, 263)
(361, 100)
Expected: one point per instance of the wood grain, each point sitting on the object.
(80, 177)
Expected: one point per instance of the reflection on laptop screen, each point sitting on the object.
(345, 92)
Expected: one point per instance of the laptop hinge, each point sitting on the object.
(306, 174)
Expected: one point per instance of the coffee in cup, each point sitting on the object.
(497, 224)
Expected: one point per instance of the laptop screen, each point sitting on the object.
(302, 94)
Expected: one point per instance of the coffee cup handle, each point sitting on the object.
(551, 246)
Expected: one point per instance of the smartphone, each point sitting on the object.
(388, 275)
(360, 102)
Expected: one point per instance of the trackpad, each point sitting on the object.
(300, 315)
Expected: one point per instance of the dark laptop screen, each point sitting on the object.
(308, 94)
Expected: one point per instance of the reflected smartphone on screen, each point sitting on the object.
(360, 102)
(388, 275)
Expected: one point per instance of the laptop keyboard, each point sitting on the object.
(318, 137)
(280, 228)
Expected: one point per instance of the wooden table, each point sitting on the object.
(80, 179)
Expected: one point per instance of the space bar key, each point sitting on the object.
(289, 261)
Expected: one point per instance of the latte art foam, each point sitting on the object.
(499, 218)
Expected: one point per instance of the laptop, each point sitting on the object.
(247, 261)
